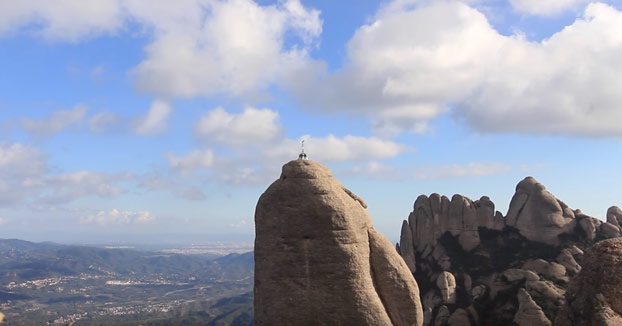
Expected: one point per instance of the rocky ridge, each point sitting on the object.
(477, 267)
(318, 260)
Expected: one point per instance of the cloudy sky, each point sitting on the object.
(121, 118)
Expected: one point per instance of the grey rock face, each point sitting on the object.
(408, 251)
(550, 270)
(394, 282)
(566, 258)
(529, 313)
(609, 230)
(491, 256)
(537, 214)
(446, 282)
(614, 216)
(545, 289)
(514, 275)
(318, 260)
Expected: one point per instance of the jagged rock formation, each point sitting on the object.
(594, 296)
(318, 260)
(536, 247)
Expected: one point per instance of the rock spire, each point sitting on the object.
(318, 260)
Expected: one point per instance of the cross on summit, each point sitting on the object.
(302, 155)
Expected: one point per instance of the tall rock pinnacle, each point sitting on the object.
(318, 260)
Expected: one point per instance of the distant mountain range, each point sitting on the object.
(23, 260)
(66, 284)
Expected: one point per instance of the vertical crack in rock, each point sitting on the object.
(399, 293)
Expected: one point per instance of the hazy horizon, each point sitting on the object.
(123, 119)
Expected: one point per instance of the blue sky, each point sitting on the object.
(121, 118)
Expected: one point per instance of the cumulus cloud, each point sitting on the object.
(351, 148)
(115, 216)
(260, 146)
(252, 125)
(56, 122)
(65, 20)
(194, 160)
(196, 49)
(568, 84)
(25, 176)
(458, 170)
(413, 63)
(545, 7)
(210, 55)
(155, 120)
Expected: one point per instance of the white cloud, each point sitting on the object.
(210, 55)
(247, 175)
(457, 170)
(190, 162)
(545, 7)
(260, 147)
(58, 121)
(115, 216)
(413, 63)
(377, 170)
(250, 126)
(25, 176)
(21, 160)
(350, 148)
(22, 170)
(64, 20)
(259, 134)
(155, 120)
(101, 121)
(196, 49)
(3, 220)
(66, 187)
(568, 84)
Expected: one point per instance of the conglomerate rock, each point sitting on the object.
(537, 246)
(594, 296)
(318, 260)
(537, 214)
